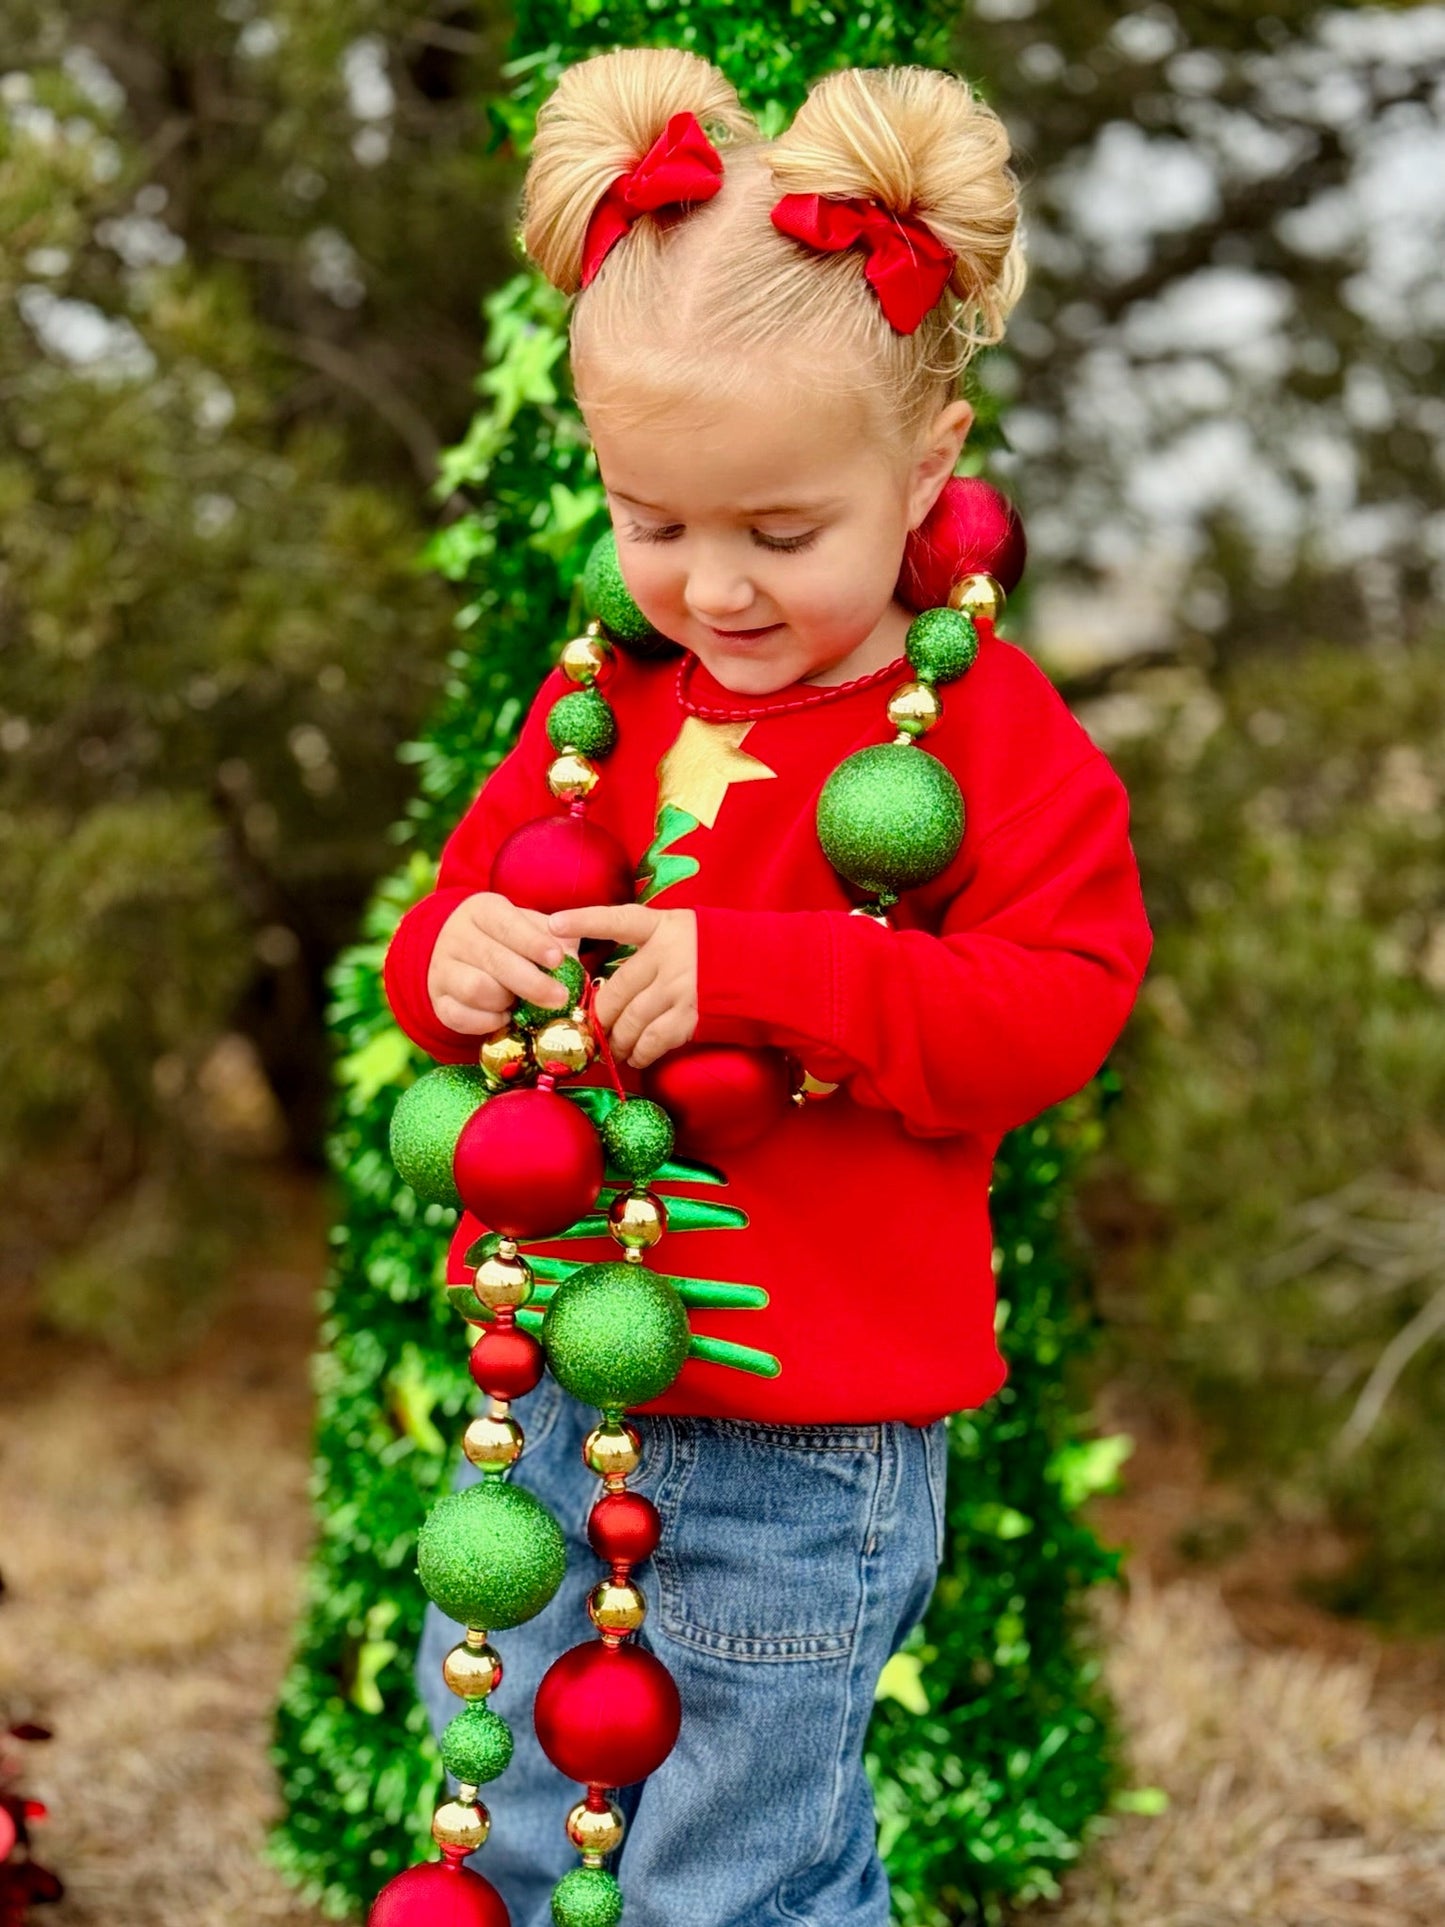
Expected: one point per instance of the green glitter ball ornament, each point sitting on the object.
(426, 1124)
(615, 1335)
(532, 1016)
(491, 1556)
(638, 1138)
(477, 1745)
(941, 644)
(587, 1897)
(890, 817)
(582, 720)
(610, 601)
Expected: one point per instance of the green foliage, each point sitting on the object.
(991, 1763)
(1287, 1080)
(212, 635)
(987, 1796)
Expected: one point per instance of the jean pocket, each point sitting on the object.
(765, 1531)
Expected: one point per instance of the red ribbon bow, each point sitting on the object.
(680, 167)
(908, 266)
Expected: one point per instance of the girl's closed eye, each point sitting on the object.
(786, 544)
(658, 532)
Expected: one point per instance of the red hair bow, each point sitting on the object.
(680, 167)
(908, 266)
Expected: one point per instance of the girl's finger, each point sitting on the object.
(468, 1021)
(523, 979)
(523, 931)
(650, 1003)
(607, 922)
(661, 1036)
(616, 992)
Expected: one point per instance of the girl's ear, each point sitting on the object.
(937, 458)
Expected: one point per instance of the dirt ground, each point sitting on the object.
(153, 1533)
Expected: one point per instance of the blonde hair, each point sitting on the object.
(687, 301)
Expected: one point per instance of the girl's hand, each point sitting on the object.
(489, 953)
(648, 1006)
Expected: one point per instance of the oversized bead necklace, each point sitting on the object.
(500, 1140)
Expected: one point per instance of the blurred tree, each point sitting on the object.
(1224, 385)
(1286, 1079)
(234, 324)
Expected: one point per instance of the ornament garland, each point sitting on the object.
(499, 1140)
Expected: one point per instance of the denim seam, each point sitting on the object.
(888, 1445)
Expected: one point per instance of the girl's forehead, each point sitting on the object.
(773, 445)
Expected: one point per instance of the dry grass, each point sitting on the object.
(152, 1539)
(1292, 1802)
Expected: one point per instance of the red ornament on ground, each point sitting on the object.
(439, 1894)
(607, 1715)
(971, 529)
(623, 1528)
(720, 1097)
(562, 863)
(528, 1164)
(507, 1362)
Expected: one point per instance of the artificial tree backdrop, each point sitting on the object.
(991, 1750)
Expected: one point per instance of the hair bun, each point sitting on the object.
(603, 117)
(918, 142)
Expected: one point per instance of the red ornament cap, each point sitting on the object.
(439, 1893)
(972, 529)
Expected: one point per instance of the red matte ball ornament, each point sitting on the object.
(623, 1528)
(720, 1097)
(528, 1164)
(607, 1715)
(507, 1362)
(971, 529)
(439, 1893)
(562, 863)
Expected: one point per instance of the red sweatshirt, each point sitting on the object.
(999, 991)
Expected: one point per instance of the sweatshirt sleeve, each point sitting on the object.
(515, 791)
(1012, 1006)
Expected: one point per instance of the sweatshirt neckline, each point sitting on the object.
(702, 695)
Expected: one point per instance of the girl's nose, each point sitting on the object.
(716, 592)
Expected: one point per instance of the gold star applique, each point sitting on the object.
(703, 764)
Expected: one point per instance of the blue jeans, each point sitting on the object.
(794, 1560)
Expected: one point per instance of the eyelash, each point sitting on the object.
(779, 545)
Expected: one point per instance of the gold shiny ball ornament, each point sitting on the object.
(563, 1047)
(460, 1823)
(636, 1219)
(471, 1672)
(913, 708)
(594, 1832)
(978, 595)
(582, 658)
(616, 1606)
(502, 1055)
(571, 777)
(612, 1451)
(492, 1444)
(501, 1282)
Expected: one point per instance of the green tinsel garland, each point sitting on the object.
(990, 1750)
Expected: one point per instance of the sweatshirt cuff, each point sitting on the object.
(404, 975)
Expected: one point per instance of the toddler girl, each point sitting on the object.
(767, 347)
